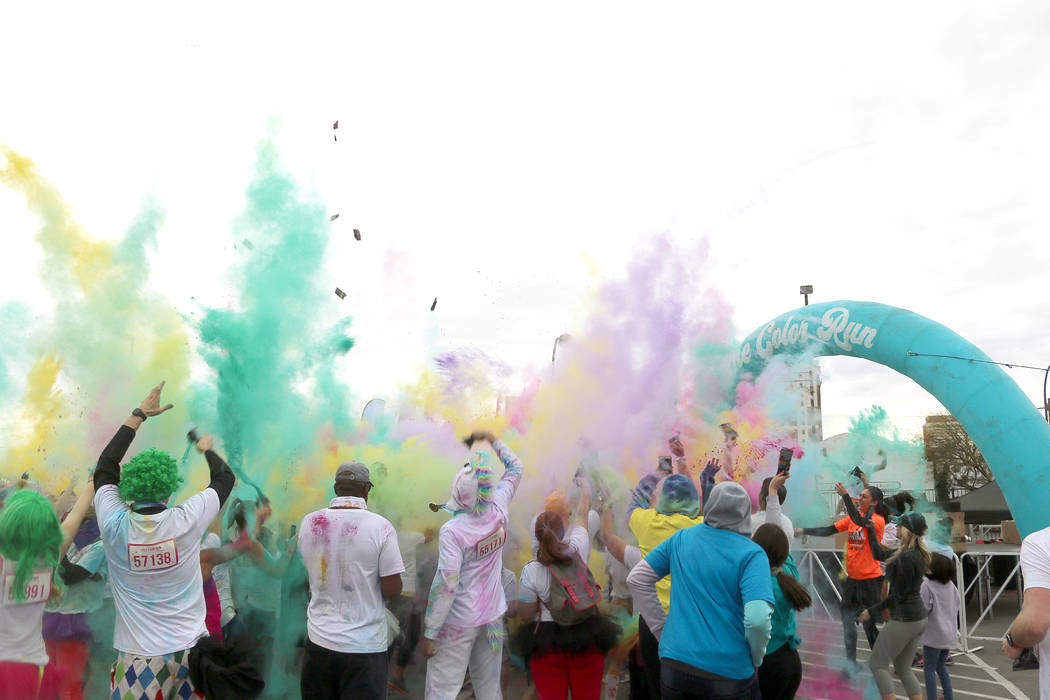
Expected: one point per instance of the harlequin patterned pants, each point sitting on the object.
(164, 677)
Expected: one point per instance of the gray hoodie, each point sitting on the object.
(728, 507)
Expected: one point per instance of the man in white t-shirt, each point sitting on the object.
(1030, 626)
(463, 627)
(354, 564)
(153, 558)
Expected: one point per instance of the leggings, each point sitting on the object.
(780, 674)
(71, 657)
(933, 665)
(650, 649)
(557, 673)
(896, 645)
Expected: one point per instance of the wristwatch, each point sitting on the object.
(139, 414)
(1010, 641)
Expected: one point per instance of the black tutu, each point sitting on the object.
(858, 594)
(598, 632)
(225, 670)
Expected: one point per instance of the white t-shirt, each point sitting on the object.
(407, 543)
(535, 581)
(510, 583)
(221, 575)
(20, 623)
(1035, 567)
(632, 554)
(617, 574)
(155, 571)
(346, 551)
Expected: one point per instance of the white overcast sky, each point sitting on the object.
(506, 157)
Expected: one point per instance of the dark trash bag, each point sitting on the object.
(225, 670)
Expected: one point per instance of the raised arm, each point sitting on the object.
(222, 478)
(583, 505)
(75, 517)
(508, 483)
(614, 544)
(707, 479)
(108, 469)
(774, 513)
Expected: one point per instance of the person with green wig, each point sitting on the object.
(32, 543)
(153, 557)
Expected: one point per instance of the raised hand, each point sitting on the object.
(205, 443)
(151, 404)
(777, 482)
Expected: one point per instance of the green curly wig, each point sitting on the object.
(30, 535)
(150, 476)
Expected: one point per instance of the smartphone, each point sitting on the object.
(784, 465)
(856, 472)
(291, 532)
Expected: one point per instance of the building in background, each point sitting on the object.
(808, 425)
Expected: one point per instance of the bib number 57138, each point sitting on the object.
(153, 557)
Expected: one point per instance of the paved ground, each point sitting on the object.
(985, 673)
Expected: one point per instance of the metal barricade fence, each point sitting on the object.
(813, 571)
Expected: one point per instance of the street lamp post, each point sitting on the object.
(805, 290)
(560, 339)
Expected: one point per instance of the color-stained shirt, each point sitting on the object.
(784, 626)
(860, 564)
(536, 578)
(650, 529)
(408, 543)
(155, 571)
(346, 551)
(21, 640)
(716, 573)
(467, 590)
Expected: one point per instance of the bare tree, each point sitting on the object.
(953, 456)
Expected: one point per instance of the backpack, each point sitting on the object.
(574, 592)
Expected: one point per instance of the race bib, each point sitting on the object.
(37, 589)
(492, 543)
(153, 557)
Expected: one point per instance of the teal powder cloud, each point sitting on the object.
(275, 361)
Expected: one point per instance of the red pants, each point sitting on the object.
(556, 673)
(70, 657)
(24, 681)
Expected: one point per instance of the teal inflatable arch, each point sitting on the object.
(1001, 420)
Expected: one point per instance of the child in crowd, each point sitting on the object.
(780, 674)
(942, 601)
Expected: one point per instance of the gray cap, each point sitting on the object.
(353, 471)
(728, 507)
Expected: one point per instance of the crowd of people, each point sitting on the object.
(696, 595)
